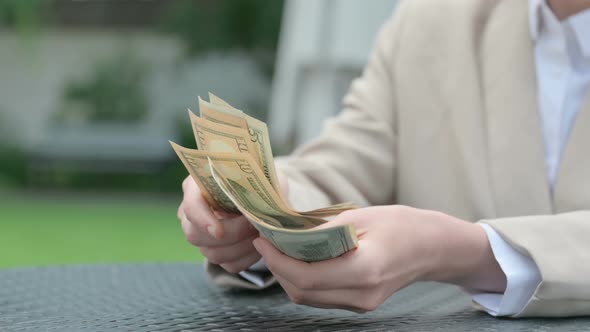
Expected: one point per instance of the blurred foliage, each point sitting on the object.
(249, 25)
(114, 92)
(167, 180)
(13, 171)
(225, 24)
(25, 15)
(12, 159)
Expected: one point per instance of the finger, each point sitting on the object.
(199, 212)
(195, 235)
(242, 264)
(355, 300)
(350, 217)
(226, 254)
(180, 213)
(345, 271)
(185, 183)
(236, 230)
(190, 231)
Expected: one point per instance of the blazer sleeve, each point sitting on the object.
(353, 160)
(560, 246)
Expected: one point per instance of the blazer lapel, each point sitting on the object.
(514, 135)
(572, 188)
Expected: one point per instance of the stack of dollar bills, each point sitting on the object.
(235, 171)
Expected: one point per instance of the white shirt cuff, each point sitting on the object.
(522, 278)
(256, 273)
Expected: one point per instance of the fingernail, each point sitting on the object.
(211, 230)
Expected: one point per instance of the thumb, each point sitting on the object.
(350, 217)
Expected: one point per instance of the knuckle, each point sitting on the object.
(205, 252)
(180, 212)
(193, 214)
(187, 206)
(189, 184)
(297, 296)
(187, 202)
(213, 256)
(192, 238)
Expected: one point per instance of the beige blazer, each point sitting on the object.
(445, 117)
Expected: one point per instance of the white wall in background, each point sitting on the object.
(323, 46)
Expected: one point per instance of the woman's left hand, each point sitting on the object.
(398, 245)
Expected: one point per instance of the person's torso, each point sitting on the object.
(470, 139)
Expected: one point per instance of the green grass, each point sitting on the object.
(73, 229)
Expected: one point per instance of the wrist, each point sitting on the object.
(464, 257)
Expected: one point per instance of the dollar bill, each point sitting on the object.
(330, 210)
(222, 112)
(221, 106)
(218, 114)
(255, 193)
(218, 101)
(259, 135)
(308, 245)
(197, 164)
(219, 111)
(255, 190)
(234, 169)
(216, 137)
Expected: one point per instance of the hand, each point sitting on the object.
(225, 239)
(398, 245)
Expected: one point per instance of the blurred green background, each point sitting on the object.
(90, 93)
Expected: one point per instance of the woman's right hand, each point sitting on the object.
(225, 239)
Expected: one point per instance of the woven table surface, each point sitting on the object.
(177, 297)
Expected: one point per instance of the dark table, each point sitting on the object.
(177, 297)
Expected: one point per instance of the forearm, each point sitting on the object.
(537, 262)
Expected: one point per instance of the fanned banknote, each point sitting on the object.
(308, 245)
(234, 168)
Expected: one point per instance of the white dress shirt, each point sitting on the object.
(562, 59)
